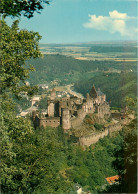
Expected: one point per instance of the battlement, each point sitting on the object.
(93, 138)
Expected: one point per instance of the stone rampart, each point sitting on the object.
(50, 121)
(91, 139)
(115, 127)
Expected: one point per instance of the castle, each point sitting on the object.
(69, 112)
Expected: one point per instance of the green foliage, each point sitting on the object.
(98, 126)
(17, 150)
(16, 7)
(131, 103)
(126, 162)
(42, 103)
(40, 91)
(16, 47)
(46, 161)
(31, 161)
(89, 168)
(21, 104)
(69, 70)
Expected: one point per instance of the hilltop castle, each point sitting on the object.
(69, 112)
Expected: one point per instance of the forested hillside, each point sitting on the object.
(69, 70)
(48, 161)
(117, 79)
(116, 86)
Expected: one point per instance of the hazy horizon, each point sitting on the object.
(93, 42)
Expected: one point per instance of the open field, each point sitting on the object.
(97, 51)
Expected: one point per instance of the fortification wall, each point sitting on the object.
(88, 140)
(115, 127)
(52, 122)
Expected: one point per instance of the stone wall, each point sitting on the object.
(115, 127)
(52, 122)
(103, 110)
(88, 140)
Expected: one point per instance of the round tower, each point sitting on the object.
(65, 115)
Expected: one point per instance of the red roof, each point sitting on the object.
(112, 179)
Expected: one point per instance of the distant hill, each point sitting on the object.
(113, 48)
(69, 70)
(92, 43)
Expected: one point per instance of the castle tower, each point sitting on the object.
(51, 104)
(65, 115)
(51, 108)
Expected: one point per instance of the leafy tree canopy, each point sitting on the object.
(16, 46)
(18, 7)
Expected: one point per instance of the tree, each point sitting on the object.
(126, 159)
(18, 7)
(125, 162)
(16, 46)
(31, 161)
(18, 143)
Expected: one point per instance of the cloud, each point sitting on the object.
(115, 22)
(115, 15)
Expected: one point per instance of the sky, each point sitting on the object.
(75, 21)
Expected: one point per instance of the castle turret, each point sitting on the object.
(65, 118)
